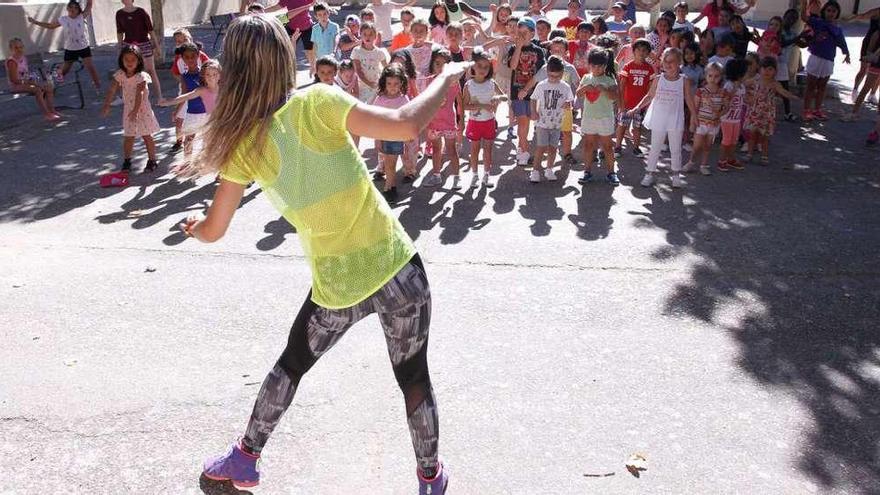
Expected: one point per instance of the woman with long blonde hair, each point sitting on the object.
(297, 145)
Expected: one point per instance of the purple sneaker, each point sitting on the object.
(434, 486)
(236, 465)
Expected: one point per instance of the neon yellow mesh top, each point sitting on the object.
(315, 176)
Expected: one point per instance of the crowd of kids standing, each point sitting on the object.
(607, 78)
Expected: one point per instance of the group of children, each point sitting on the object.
(687, 85)
(198, 77)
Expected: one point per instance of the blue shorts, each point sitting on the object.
(391, 147)
(522, 108)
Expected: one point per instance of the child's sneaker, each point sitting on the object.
(456, 183)
(808, 115)
(511, 134)
(433, 180)
(549, 174)
(705, 170)
(586, 178)
(151, 166)
(637, 152)
(177, 146)
(744, 148)
(475, 181)
(235, 465)
(873, 138)
(522, 158)
(487, 180)
(724, 165)
(390, 195)
(535, 175)
(126, 165)
(569, 159)
(820, 114)
(618, 151)
(648, 180)
(689, 167)
(677, 181)
(434, 486)
(612, 179)
(687, 147)
(736, 164)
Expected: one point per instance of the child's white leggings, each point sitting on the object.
(657, 138)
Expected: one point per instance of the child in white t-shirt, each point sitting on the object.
(550, 100)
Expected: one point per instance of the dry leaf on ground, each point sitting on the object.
(636, 463)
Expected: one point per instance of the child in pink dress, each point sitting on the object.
(138, 118)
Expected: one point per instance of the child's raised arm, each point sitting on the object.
(46, 25)
(467, 9)
(165, 102)
(406, 122)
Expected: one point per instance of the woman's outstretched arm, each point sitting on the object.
(406, 122)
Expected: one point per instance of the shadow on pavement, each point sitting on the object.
(212, 487)
(801, 249)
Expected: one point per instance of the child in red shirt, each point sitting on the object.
(580, 48)
(635, 81)
(572, 21)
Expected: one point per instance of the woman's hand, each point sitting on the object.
(455, 70)
(189, 225)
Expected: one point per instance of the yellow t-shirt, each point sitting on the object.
(315, 176)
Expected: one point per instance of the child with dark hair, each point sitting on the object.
(571, 21)
(681, 10)
(542, 31)
(326, 68)
(550, 99)
(369, 60)
(392, 87)
(579, 49)
(138, 118)
(324, 32)
(731, 122)
(480, 98)
(761, 118)
(76, 44)
(635, 81)
(443, 130)
(599, 90)
(438, 19)
(525, 59)
(827, 37)
(723, 52)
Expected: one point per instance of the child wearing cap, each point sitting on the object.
(525, 58)
(617, 24)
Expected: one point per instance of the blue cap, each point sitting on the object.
(527, 22)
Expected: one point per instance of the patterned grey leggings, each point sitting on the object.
(404, 308)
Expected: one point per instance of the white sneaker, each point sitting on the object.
(116, 102)
(677, 181)
(744, 147)
(535, 175)
(689, 167)
(456, 183)
(522, 158)
(432, 180)
(648, 180)
(688, 147)
(549, 174)
(705, 170)
(475, 180)
(487, 180)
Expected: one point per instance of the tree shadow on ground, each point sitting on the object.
(802, 249)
